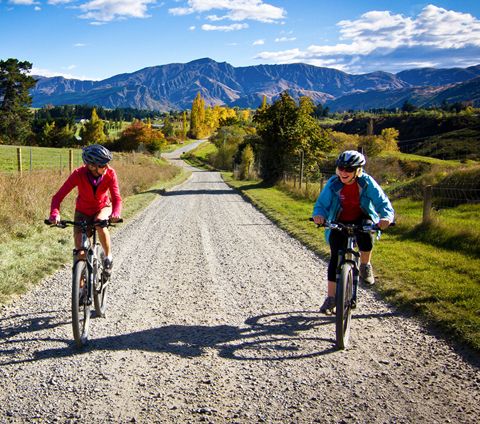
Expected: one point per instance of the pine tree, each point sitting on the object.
(15, 117)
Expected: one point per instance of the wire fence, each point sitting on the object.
(434, 197)
(28, 159)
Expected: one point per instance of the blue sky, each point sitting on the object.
(100, 38)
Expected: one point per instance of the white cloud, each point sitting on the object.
(236, 10)
(284, 39)
(258, 43)
(79, 45)
(390, 41)
(102, 11)
(55, 2)
(225, 28)
(23, 2)
(192, 28)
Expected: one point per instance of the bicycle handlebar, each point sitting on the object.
(66, 223)
(332, 225)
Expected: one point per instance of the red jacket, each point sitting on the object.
(88, 202)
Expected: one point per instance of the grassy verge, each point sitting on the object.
(171, 147)
(439, 283)
(199, 156)
(29, 250)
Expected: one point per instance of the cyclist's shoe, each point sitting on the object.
(366, 274)
(107, 267)
(328, 307)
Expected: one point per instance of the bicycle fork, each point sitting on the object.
(353, 257)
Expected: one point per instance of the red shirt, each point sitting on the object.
(89, 202)
(350, 203)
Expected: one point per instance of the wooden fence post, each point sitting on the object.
(427, 204)
(70, 160)
(19, 160)
(301, 169)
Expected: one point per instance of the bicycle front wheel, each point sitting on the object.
(100, 285)
(80, 304)
(343, 300)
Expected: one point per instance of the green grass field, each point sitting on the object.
(36, 158)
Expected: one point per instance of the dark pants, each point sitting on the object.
(338, 241)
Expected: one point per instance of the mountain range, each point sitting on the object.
(174, 86)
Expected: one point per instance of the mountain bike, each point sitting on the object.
(89, 281)
(347, 277)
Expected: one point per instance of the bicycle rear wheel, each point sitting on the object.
(343, 300)
(100, 284)
(80, 304)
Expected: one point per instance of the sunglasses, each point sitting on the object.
(97, 166)
(346, 169)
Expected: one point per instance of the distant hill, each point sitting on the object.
(174, 86)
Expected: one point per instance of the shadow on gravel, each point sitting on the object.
(162, 192)
(272, 337)
(28, 323)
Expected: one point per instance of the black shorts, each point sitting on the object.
(338, 241)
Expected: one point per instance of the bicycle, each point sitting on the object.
(88, 279)
(347, 278)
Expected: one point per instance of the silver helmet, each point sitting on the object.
(350, 159)
(96, 154)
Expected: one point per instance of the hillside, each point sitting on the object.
(173, 86)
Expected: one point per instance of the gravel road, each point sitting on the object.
(214, 318)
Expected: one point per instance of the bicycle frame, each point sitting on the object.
(351, 255)
(88, 247)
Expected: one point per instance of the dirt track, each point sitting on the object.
(214, 318)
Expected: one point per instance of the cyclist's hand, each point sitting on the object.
(114, 218)
(319, 220)
(383, 223)
(54, 219)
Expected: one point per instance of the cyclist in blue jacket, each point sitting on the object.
(351, 196)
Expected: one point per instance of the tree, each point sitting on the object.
(167, 129)
(311, 139)
(275, 124)
(288, 131)
(92, 132)
(246, 164)
(408, 106)
(197, 117)
(15, 117)
(390, 139)
(184, 125)
(139, 134)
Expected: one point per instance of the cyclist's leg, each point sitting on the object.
(337, 242)
(365, 245)
(77, 233)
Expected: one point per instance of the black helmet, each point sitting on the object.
(350, 159)
(96, 155)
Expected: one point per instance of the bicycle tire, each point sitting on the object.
(343, 300)
(99, 286)
(80, 307)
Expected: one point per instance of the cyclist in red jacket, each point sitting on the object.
(93, 180)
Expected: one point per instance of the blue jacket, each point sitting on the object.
(373, 201)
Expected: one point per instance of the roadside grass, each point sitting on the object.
(440, 284)
(30, 250)
(174, 146)
(199, 156)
